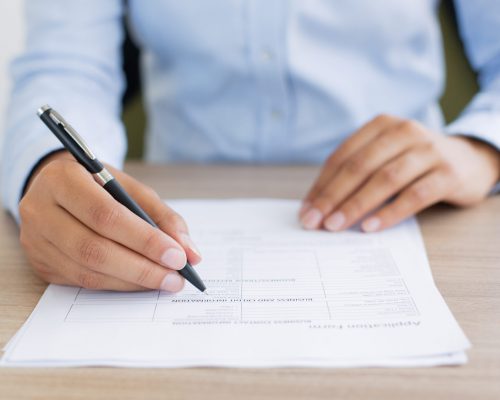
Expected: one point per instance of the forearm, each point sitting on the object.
(75, 66)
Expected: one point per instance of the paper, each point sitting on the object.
(279, 296)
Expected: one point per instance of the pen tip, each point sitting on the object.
(206, 292)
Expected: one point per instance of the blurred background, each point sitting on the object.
(11, 42)
(460, 84)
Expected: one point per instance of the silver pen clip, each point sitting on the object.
(58, 119)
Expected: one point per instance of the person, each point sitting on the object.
(351, 85)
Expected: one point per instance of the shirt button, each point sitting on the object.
(267, 55)
(276, 114)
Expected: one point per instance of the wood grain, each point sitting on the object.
(464, 252)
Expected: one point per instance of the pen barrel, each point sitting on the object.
(116, 190)
(119, 194)
(190, 274)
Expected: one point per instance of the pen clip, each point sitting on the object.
(73, 134)
(70, 139)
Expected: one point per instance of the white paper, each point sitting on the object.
(279, 296)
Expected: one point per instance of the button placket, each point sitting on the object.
(268, 50)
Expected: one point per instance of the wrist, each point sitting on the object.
(487, 151)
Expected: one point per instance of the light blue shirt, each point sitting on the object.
(249, 81)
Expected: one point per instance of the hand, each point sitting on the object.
(75, 233)
(393, 168)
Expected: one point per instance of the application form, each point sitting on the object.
(278, 296)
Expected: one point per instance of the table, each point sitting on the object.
(464, 252)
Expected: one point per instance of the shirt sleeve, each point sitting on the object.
(72, 61)
(479, 23)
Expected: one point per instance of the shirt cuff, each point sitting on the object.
(481, 125)
(15, 175)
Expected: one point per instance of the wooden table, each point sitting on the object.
(464, 252)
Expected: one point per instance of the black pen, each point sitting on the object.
(73, 142)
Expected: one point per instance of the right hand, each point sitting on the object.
(75, 233)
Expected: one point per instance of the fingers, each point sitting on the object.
(99, 254)
(165, 217)
(359, 167)
(384, 184)
(65, 271)
(426, 191)
(110, 219)
(354, 143)
(95, 242)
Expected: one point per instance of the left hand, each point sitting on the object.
(392, 157)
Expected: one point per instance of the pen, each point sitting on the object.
(73, 142)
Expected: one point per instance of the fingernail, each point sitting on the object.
(186, 239)
(305, 206)
(371, 224)
(173, 258)
(335, 221)
(312, 218)
(173, 282)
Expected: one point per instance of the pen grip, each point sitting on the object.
(116, 190)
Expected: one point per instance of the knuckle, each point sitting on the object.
(92, 253)
(313, 193)
(104, 216)
(355, 166)
(178, 222)
(57, 169)
(450, 171)
(27, 209)
(89, 280)
(150, 192)
(152, 241)
(145, 275)
(416, 131)
(164, 215)
(70, 173)
(409, 125)
(383, 118)
(332, 162)
(389, 213)
(53, 170)
(172, 220)
(430, 146)
(418, 194)
(385, 140)
(323, 202)
(390, 175)
(355, 206)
